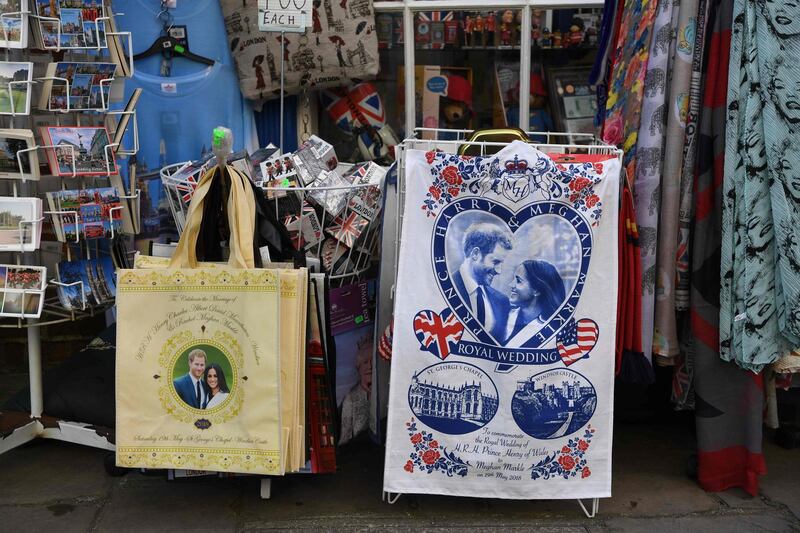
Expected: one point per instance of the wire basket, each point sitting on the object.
(337, 225)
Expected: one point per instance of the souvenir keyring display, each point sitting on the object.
(103, 206)
(505, 384)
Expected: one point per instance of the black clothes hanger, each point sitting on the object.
(168, 46)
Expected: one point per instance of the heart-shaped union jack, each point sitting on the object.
(577, 339)
(438, 333)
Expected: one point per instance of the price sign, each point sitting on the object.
(284, 15)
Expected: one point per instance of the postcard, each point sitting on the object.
(72, 296)
(20, 214)
(89, 86)
(97, 214)
(15, 96)
(12, 141)
(14, 32)
(22, 290)
(78, 22)
(82, 148)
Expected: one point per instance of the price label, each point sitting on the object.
(284, 15)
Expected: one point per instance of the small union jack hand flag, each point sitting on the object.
(438, 333)
(349, 229)
(187, 188)
(576, 340)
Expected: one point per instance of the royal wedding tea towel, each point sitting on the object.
(503, 355)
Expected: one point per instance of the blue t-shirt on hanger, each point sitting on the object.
(176, 114)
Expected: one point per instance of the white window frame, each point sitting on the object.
(409, 7)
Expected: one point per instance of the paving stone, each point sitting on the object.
(782, 482)
(153, 504)
(739, 499)
(46, 471)
(61, 517)
(703, 524)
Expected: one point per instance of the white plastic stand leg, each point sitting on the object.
(35, 370)
(595, 507)
(391, 497)
(266, 488)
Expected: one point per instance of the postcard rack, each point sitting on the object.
(52, 311)
(576, 143)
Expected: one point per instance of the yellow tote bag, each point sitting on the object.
(198, 368)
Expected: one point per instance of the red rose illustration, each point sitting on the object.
(567, 462)
(579, 183)
(453, 191)
(451, 176)
(409, 466)
(565, 449)
(430, 156)
(434, 192)
(434, 444)
(592, 200)
(586, 472)
(598, 167)
(430, 457)
(583, 445)
(416, 438)
(574, 197)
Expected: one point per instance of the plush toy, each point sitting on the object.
(456, 106)
(506, 28)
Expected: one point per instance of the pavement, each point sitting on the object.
(56, 486)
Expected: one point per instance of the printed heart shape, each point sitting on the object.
(532, 334)
(438, 333)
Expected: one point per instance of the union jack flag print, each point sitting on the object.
(438, 333)
(350, 109)
(576, 340)
(187, 187)
(349, 229)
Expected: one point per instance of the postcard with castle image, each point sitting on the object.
(77, 21)
(79, 149)
(98, 210)
(14, 32)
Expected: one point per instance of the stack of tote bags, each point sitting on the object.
(210, 357)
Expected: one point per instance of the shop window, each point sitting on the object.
(467, 73)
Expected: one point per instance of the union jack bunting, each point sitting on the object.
(576, 340)
(349, 229)
(438, 334)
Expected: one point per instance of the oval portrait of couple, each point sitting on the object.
(203, 376)
(513, 283)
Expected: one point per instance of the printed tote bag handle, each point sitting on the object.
(241, 219)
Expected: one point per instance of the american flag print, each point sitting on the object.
(349, 229)
(576, 340)
(438, 333)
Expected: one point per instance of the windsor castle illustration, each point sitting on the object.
(466, 403)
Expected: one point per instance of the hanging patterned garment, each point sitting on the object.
(665, 336)
(682, 395)
(612, 14)
(689, 160)
(627, 83)
(760, 315)
(728, 399)
(650, 143)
